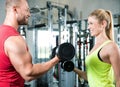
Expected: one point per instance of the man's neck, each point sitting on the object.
(11, 21)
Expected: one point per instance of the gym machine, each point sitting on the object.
(34, 29)
(117, 28)
(66, 32)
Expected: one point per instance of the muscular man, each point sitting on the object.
(15, 59)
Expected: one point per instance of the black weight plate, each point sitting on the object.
(68, 66)
(66, 51)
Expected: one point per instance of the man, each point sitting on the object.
(15, 58)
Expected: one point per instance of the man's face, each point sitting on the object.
(23, 13)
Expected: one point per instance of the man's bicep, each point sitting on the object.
(18, 54)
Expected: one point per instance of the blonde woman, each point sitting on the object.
(104, 57)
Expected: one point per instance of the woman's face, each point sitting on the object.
(94, 26)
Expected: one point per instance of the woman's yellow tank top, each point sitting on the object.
(99, 73)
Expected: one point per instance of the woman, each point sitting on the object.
(104, 57)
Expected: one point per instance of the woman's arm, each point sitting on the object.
(114, 57)
(80, 73)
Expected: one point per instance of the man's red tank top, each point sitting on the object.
(9, 77)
